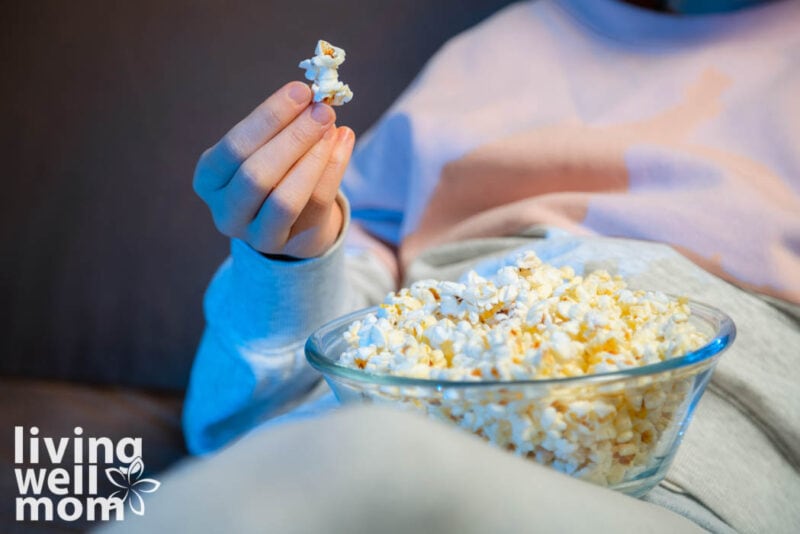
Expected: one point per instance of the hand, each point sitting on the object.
(272, 180)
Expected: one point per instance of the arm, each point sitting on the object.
(271, 184)
(259, 311)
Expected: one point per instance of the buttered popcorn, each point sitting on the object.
(534, 321)
(322, 69)
(530, 321)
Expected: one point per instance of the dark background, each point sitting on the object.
(104, 250)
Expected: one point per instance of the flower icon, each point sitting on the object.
(129, 480)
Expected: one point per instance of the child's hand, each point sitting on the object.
(272, 180)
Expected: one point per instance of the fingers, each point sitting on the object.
(318, 207)
(317, 239)
(320, 222)
(218, 164)
(270, 229)
(235, 206)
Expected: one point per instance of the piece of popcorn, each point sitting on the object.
(322, 70)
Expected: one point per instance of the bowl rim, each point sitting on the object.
(725, 334)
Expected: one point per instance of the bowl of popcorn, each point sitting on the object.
(579, 373)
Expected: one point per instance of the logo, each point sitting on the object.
(68, 488)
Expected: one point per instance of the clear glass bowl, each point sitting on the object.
(619, 429)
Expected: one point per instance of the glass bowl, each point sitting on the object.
(618, 429)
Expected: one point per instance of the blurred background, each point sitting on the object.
(105, 252)
(105, 107)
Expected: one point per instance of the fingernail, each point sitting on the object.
(344, 134)
(299, 93)
(322, 113)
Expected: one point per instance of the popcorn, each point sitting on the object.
(322, 70)
(535, 321)
(543, 321)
